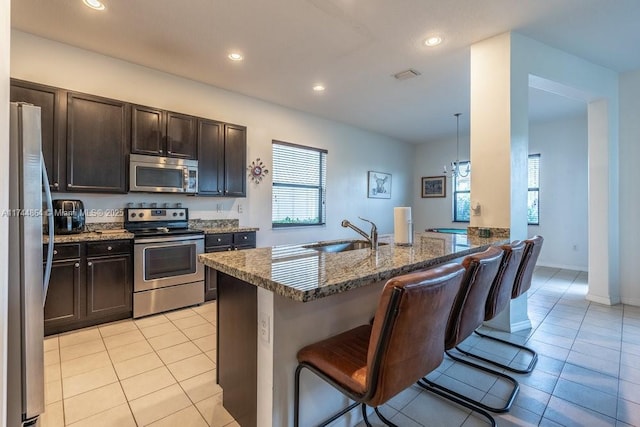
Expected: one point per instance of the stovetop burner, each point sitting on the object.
(148, 222)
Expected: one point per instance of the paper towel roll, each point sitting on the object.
(402, 226)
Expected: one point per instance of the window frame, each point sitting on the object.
(321, 187)
(461, 166)
(531, 189)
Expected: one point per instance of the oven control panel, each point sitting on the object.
(167, 214)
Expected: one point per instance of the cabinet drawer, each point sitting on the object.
(110, 247)
(244, 239)
(222, 248)
(224, 239)
(62, 251)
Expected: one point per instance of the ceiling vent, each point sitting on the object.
(407, 74)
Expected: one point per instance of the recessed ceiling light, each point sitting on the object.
(94, 4)
(433, 41)
(235, 56)
(318, 88)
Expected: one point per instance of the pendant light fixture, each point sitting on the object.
(455, 166)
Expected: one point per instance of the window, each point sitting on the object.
(533, 205)
(462, 194)
(299, 185)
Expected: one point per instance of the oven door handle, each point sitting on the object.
(169, 240)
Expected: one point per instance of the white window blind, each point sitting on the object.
(299, 185)
(533, 202)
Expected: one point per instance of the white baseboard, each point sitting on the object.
(630, 301)
(563, 266)
(606, 300)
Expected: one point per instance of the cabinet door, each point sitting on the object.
(235, 153)
(147, 130)
(62, 306)
(52, 105)
(97, 144)
(181, 136)
(210, 158)
(108, 285)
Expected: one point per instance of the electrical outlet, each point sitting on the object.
(263, 327)
(239, 208)
(219, 207)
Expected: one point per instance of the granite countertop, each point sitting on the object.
(87, 237)
(115, 230)
(96, 235)
(303, 274)
(229, 229)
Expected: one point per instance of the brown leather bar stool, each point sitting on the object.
(372, 363)
(468, 314)
(528, 264)
(498, 300)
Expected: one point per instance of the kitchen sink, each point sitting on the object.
(342, 246)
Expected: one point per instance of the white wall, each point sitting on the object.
(562, 146)
(429, 160)
(352, 151)
(629, 188)
(5, 26)
(563, 188)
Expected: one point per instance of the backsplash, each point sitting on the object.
(213, 223)
(106, 208)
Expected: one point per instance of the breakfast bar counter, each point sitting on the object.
(273, 301)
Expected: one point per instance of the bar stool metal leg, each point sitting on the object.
(527, 370)
(433, 388)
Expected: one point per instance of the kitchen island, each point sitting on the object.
(273, 301)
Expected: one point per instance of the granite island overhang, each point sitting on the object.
(273, 301)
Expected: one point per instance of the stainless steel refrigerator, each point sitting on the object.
(27, 282)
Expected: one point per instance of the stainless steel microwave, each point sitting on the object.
(153, 174)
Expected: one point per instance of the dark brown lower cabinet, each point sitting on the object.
(91, 283)
(221, 242)
(62, 308)
(108, 285)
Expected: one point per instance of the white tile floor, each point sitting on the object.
(156, 371)
(160, 370)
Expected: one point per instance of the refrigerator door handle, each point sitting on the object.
(47, 191)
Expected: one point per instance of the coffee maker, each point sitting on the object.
(68, 216)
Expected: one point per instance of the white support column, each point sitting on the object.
(603, 207)
(499, 150)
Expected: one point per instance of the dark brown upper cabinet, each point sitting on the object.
(52, 103)
(235, 159)
(162, 133)
(222, 153)
(210, 158)
(97, 144)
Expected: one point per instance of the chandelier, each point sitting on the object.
(455, 169)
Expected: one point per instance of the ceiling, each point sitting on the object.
(352, 47)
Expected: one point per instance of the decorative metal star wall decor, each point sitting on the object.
(257, 171)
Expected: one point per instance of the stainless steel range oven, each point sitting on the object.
(167, 274)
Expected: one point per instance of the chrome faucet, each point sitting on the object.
(372, 238)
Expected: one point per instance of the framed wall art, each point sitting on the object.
(379, 185)
(434, 186)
